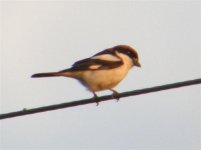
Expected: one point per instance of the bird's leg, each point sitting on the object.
(95, 98)
(115, 94)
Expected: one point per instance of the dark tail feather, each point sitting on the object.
(48, 74)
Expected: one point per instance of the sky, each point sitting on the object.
(43, 36)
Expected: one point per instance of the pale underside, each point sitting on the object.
(103, 79)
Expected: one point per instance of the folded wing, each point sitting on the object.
(94, 63)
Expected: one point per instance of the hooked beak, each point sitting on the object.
(136, 63)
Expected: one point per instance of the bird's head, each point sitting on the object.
(130, 52)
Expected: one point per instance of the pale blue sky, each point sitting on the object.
(42, 36)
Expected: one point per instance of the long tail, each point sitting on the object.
(47, 74)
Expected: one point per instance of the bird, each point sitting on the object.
(102, 71)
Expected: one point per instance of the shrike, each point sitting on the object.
(102, 71)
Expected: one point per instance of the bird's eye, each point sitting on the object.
(130, 54)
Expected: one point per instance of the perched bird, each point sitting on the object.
(103, 71)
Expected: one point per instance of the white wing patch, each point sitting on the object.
(107, 57)
(94, 67)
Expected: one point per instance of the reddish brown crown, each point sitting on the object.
(126, 50)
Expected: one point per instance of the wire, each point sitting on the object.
(100, 99)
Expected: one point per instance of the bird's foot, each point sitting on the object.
(115, 95)
(96, 99)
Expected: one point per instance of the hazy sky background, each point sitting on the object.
(50, 36)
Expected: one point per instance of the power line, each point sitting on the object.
(100, 99)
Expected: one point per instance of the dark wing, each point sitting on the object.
(96, 63)
(93, 64)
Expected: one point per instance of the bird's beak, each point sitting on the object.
(136, 63)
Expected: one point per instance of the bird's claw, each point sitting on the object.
(96, 99)
(115, 95)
